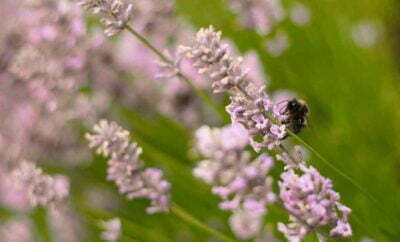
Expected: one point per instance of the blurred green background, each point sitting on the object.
(354, 97)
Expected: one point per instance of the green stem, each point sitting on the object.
(181, 213)
(338, 171)
(224, 118)
(323, 159)
(148, 44)
(208, 100)
(94, 215)
(218, 109)
(283, 148)
(319, 156)
(328, 163)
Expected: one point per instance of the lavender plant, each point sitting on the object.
(309, 198)
(42, 189)
(242, 183)
(126, 169)
(250, 104)
(262, 16)
(312, 204)
(44, 67)
(112, 229)
(17, 228)
(77, 77)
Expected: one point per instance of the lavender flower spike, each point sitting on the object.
(250, 104)
(42, 189)
(117, 14)
(242, 183)
(312, 203)
(126, 169)
(112, 229)
(211, 57)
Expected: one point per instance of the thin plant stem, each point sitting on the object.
(148, 44)
(318, 155)
(283, 148)
(95, 214)
(323, 159)
(181, 213)
(342, 174)
(92, 218)
(217, 108)
(222, 115)
(209, 101)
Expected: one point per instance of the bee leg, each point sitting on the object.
(284, 137)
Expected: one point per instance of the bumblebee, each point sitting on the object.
(296, 112)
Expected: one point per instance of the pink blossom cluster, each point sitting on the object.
(116, 13)
(250, 104)
(159, 87)
(51, 75)
(261, 15)
(112, 229)
(312, 203)
(17, 228)
(308, 198)
(266, 16)
(43, 65)
(242, 183)
(126, 169)
(42, 189)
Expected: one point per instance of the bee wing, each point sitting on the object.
(281, 109)
(309, 124)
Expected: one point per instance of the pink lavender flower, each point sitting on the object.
(112, 229)
(251, 107)
(246, 225)
(243, 184)
(11, 198)
(117, 14)
(65, 224)
(255, 113)
(42, 189)
(17, 229)
(312, 203)
(309, 198)
(211, 57)
(42, 70)
(259, 15)
(250, 104)
(278, 44)
(300, 14)
(254, 67)
(126, 169)
(157, 20)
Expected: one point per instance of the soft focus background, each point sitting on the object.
(344, 62)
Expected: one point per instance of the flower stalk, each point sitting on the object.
(116, 19)
(182, 214)
(201, 94)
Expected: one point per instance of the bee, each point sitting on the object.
(296, 112)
